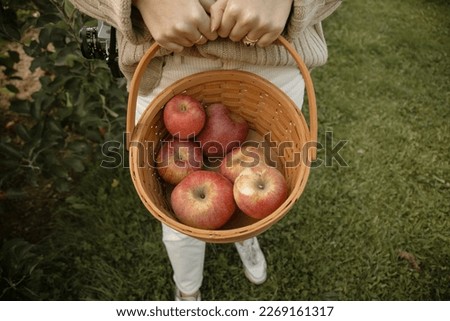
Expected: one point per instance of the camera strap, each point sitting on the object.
(113, 55)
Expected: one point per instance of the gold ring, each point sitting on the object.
(199, 39)
(249, 42)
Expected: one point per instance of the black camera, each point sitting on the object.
(100, 43)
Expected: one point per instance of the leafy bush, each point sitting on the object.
(19, 270)
(57, 133)
(51, 138)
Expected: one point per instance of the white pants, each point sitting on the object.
(187, 254)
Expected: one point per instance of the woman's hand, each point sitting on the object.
(206, 4)
(252, 21)
(176, 24)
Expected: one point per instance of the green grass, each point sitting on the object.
(385, 90)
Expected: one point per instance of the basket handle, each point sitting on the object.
(148, 56)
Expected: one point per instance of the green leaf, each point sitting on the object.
(71, 59)
(10, 32)
(58, 37)
(22, 132)
(69, 9)
(40, 62)
(20, 106)
(14, 56)
(6, 149)
(45, 37)
(12, 88)
(41, 103)
(54, 126)
(35, 110)
(37, 130)
(6, 62)
(47, 18)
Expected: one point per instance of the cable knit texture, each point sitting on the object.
(303, 30)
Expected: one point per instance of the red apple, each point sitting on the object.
(240, 158)
(178, 158)
(223, 131)
(260, 190)
(204, 200)
(184, 116)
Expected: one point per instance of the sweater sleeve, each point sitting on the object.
(306, 13)
(118, 13)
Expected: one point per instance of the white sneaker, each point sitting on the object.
(255, 266)
(194, 297)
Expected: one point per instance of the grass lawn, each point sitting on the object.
(375, 229)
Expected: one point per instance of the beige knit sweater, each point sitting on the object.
(303, 30)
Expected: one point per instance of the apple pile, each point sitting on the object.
(203, 197)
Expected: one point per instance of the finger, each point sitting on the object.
(174, 38)
(255, 34)
(247, 25)
(177, 49)
(267, 39)
(227, 23)
(200, 40)
(242, 33)
(171, 46)
(185, 36)
(204, 27)
(238, 32)
(216, 12)
(183, 40)
(206, 4)
(226, 26)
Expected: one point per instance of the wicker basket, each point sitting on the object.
(267, 110)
